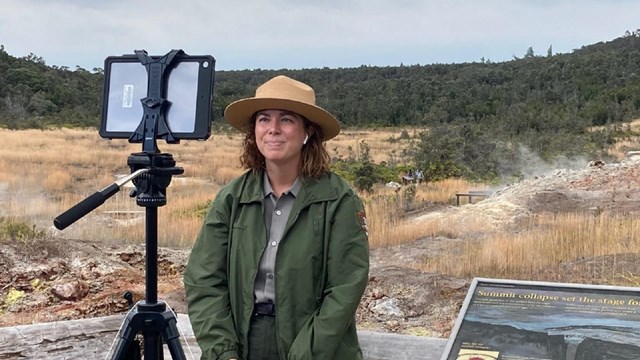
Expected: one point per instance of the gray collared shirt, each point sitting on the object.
(276, 213)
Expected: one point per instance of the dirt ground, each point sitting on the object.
(59, 279)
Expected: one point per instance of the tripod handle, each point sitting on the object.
(98, 198)
(85, 206)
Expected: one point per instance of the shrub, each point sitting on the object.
(13, 230)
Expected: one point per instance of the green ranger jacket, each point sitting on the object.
(322, 268)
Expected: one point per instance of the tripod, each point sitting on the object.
(150, 317)
(151, 172)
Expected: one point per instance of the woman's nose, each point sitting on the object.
(274, 126)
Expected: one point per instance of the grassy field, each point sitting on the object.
(544, 245)
(47, 172)
(43, 173)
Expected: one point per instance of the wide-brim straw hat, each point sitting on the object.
(282, 93)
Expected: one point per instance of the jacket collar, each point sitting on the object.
(313, 190)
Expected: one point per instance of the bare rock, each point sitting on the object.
(388, 307)
(75, 290)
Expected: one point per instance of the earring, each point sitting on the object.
(306, 138)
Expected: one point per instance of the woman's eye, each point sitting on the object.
(287, 119)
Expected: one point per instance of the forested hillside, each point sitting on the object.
(547, 103)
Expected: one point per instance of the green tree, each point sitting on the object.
(438, 153)
(365, 170)
(529, 54)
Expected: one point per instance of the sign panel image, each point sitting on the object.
(520, 320)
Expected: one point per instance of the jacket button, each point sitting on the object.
(273, 243)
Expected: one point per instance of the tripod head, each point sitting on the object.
(151, 187)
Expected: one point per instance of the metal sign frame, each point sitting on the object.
(514, 320)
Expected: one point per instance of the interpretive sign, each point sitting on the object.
(525, 320)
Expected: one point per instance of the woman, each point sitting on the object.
(282, 259)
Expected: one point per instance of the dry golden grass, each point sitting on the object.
(49, 171)
(621, 148)
(384, 144)
(57, 181)
(387, 209)
(544, 242)
(43, 173)
(618, 150)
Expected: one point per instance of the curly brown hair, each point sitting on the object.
(315, 159)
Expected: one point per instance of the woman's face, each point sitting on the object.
(279, 136)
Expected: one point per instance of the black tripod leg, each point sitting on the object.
(127, 348)
(172, 337)
(152, 346)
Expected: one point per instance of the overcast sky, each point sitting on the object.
(295, 34)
